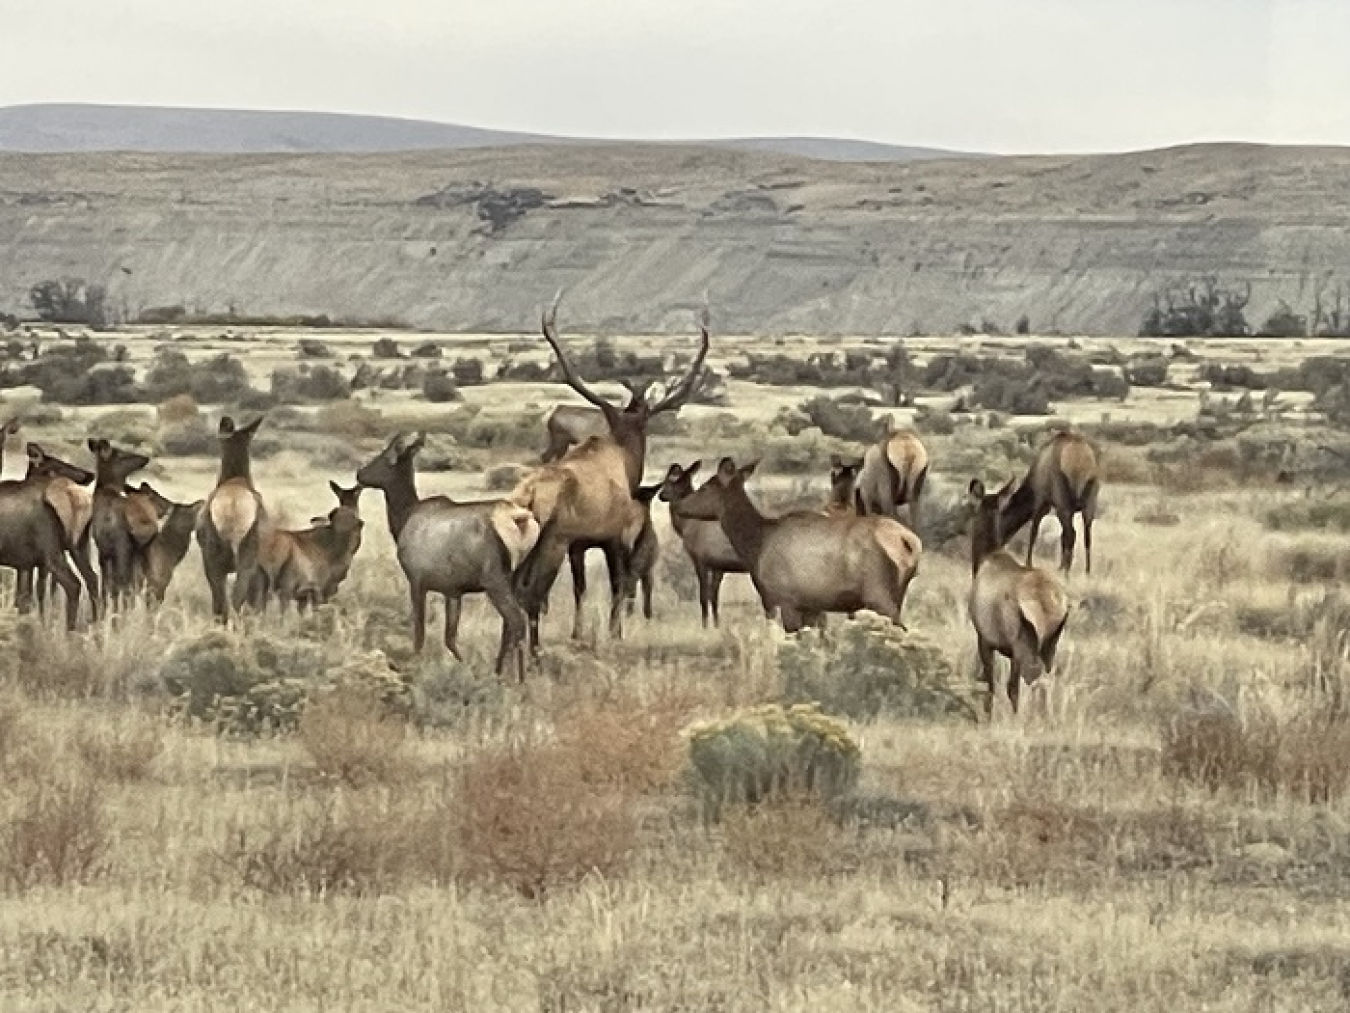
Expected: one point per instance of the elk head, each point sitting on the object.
(628, 425)
(234, 447)
(843, 477)
(706, 503)
(988, 533)
(177, 519)
(115, 465)
(679, 482)
(42, 463)
(387, 467)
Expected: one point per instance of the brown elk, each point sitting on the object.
(64, 488)
(704, 542)
(453, 549)
(641, 568)
(843, 485)
(230, 524)
(177, 522)
(122, 525)
(589, 494)
(33, 538)
(805, 564)
(893, 473)
(1019, 611)
(307, 566)
(1064, 478)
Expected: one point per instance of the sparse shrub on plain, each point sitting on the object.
(427, 350)
(468, 372)
(1215, 746)
(439, 387)
(385, 348)
(178, 409)
(502, 477)
(1147, 371)
(221, 379)
(350, 418)
(353, 736)
(53, 833)
(187, 438)
(1309, 514)
(867, 666)
(313, 348)
(625, 743)
(833, 418)
(309, 383)
(124, 753)
(772, 752)
(527, 819)
(786, 839)
(70, 301)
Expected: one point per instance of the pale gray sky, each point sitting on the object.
(994, 75)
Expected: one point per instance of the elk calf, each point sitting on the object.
(806, 564)
(307, 566)
(1018, 611)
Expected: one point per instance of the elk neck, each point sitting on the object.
(745, 527)
(1016, 513)
(235, 462)
(400, 497)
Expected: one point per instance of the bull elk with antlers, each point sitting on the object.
(590, 494)
(1018, 611)
(808, 563)
(1064, 478)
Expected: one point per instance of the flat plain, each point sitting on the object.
(1163, 827)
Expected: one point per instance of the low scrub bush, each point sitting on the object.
(1309, 514)
(221, 379)
(772, 752)
(53, 834)
(309, 383)
(868, 666)
(625, 743)
(788, 839)
(124, 753)
(187, 438)
(351, 419)
(439, 387)
(354, 737)
(528, 818)
(833, 418)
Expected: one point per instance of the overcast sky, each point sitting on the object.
(991, 75)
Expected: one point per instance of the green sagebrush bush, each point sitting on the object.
(868, 666)
(250, 685)
(772, 752)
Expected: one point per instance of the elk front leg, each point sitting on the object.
(576, 560)
(616, 559)
(453, 606)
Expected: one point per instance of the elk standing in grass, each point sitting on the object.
(641, 568)
(892, 475)
(704, 542)
(122, 525)
(1018, 611)
(229, 528)
(807, 563)
(453, 549)
(589, 495)
(1064, 478)
(65, 489)
(843, 486)
(177, 523)
(32, 538)
(307, 566)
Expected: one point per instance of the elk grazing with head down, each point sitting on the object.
(1064, 478)
(122, 525)
(893, 473)
(307, 566)
(453, 549)
(231, 521)
(590, 494)
(704, 542)
(807, 563)
(1018, 611)
(177, 523)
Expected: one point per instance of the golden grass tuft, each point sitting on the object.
(124, 753)
(53, 834)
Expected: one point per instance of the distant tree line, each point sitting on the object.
(1205, 308)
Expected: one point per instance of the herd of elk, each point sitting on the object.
(859, 550)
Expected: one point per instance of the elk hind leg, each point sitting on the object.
(576, 560)
(617, 559)
(454, 605)
(1089, 515)
(512, 648)
(1067, 538)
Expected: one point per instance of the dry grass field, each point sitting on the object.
(1165, 826)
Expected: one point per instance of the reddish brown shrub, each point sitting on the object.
(55, 834)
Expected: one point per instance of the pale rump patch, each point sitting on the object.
(517, 528)
(1078, 463)
(901, 545)
(142, 519)
(1042, 602)
(233, 511)
(73, 504)
(907, 455)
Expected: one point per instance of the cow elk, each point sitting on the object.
(806, 564)
(706, 544)
(307, 566)
(177, 522)
(33, 538)
(1064, 478)
(589, 494)
(893, 473)
(122, 525)
(1018, 611)
(453, 549)
(64, 488)
(229, 528)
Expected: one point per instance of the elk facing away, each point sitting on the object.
(453, 549)
(122, 525)
(1018, 611)
(1063, 478)
(893, 474)
(808, 563)
(231, 520)
(704, 540)
(589, 495)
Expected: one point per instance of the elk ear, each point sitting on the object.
(646, 493)
(746, 470)
(416, 445)
(976, 489)
(35, 453)
(337, 489)
(726, 469)
(692, 470)
(1007, 491)
(12, 427)
(252, 427)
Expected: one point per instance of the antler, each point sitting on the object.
(549, 325)
(688, 385)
